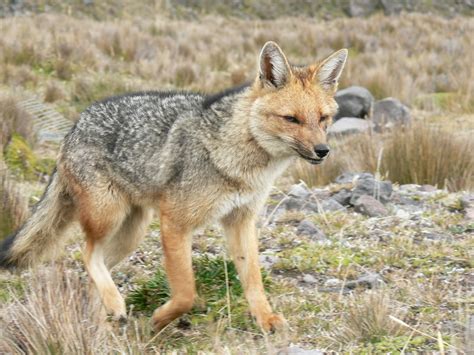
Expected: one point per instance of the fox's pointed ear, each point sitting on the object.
(330, 70)
(274, 70)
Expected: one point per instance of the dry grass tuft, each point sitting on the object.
(420, 154)
(13, 119)
(55, 316)
(367, 319)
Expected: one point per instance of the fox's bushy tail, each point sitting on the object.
(41, 234)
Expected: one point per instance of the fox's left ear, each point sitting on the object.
(330, 70)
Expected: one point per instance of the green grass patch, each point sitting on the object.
(23, 162)
(212, 289)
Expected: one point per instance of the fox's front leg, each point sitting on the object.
(242, 241)
(176, 243)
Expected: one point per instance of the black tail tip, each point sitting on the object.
(5, 247)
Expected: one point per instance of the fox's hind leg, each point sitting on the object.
(101, 214)
(127, 238)
(176, 242)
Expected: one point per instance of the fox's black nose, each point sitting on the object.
(321, 150)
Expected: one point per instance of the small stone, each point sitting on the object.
(427, 188)
(343, 197)
(467, 201)
(370, 280)
(267, 261)
(369, 206)
(331, 205)
(309, 279)
(309, 229)
(381, 190)
(299, 191)
(402, 214)
(333, 283)
(349, 125)
(295, 350)
(348, 177)
(293, 203)
(469, 213)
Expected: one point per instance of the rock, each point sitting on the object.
(427, 188)
(309, 279)
(367, 185)
(299, 191)
(467, 201)
(369, 206)
(293, 203)
(331, 205)
(390, 112)
(349, 125)
(309, 229)
(267, 261)
(469, 214)
(354, 101)
(361, 8)
(333, 283)
(392, 7)
(343, 197)
(402, 214)
(348, 177)
(370, 280)
(295, 350)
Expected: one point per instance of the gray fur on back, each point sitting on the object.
(145, 141)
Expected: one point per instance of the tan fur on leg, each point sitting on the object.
(176, 243)
(243, 246)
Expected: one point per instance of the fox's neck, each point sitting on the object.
(235, 150)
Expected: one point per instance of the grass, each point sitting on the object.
(213, 286)
(420, 154)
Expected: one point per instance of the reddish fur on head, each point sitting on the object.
(294, 105)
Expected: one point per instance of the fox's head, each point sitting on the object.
(293, 105)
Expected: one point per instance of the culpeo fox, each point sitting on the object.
(195, 159)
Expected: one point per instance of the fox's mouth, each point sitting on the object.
(314, 161)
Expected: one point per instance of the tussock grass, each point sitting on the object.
(54, 316)
(367, 319)
(40, 52)
(421, 154)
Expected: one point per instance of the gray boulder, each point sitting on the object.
(390, 112)
(367, 185)
(354, 101)
(348, 125)
(361, 8)
(369, 206)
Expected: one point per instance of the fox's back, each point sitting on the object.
(122, 135)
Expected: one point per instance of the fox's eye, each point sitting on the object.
(323, 118)
(291, 119)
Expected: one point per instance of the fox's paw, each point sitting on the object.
(272, 322)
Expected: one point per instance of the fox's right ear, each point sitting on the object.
(274, 70)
